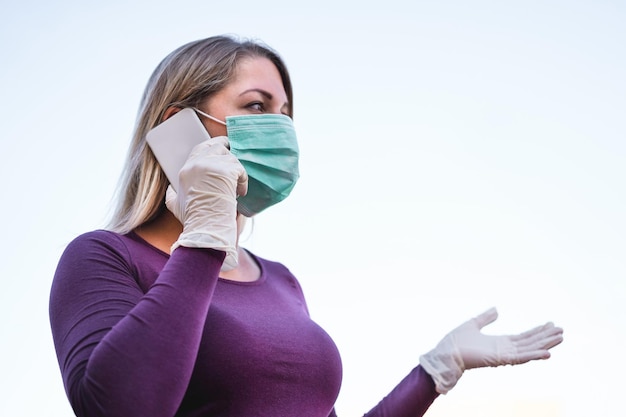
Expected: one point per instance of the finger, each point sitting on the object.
(543, 345)
(214, 146)
(170, 195)
(530, 335)
(220, 141)
(486, 318)
(552, 341)
(523, 357)
(171, 201)
(242, 183)
(537, 333)
(541, 341)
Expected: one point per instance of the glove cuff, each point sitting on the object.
(445, 367)
(209, 241)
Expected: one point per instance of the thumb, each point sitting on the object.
(171, 202)
(486, 318)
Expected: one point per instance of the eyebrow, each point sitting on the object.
(267, 94)
(258, 90)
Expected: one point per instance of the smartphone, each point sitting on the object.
(172, 142)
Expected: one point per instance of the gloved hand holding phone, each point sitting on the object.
(206, 202)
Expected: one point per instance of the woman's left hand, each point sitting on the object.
(466, 347)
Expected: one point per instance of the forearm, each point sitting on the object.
(410, 398)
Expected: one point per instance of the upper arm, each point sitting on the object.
(92, 290)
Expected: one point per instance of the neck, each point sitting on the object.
(164, 230)
(161, 232)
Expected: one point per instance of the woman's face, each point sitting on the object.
(255, 89)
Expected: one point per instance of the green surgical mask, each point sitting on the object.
(267, 147)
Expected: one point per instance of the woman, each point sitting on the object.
(165, 315)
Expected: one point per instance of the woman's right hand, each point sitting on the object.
(206, 202)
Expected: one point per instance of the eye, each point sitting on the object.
(256, 106)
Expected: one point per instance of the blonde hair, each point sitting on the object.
(185, 78)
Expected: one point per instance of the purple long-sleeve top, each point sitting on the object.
(139, 332)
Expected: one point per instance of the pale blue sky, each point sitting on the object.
(455, 155)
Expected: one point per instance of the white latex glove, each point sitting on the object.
(206, 202)
(466, 347)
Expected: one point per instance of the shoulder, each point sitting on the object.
(273, 268)
(98, 236)
(96, 250)
(105, 256)
(122, 255)
(269, 264)
(279, 272)
(98, 241)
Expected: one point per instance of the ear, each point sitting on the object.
(169, 112)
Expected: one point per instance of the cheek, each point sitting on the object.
(216, 107)
(215, 129)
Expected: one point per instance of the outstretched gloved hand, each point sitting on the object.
(466, 347)
(206, 202)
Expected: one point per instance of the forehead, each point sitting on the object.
(257, 72)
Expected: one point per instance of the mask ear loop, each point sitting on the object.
(215, 119)
(248, 229)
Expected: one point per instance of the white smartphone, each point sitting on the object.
(172, 141)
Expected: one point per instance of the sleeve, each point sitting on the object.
(123, 352)
(410, 398)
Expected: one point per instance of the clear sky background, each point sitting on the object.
(456, 155)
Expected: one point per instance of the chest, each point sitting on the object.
(265, 330)
(261, 345)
